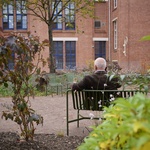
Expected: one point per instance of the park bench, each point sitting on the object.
(93, 100)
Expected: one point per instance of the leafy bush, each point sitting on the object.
(26, 50)
(126, 126)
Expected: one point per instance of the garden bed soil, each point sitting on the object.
(10, 141)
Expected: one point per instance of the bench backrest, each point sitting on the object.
(97, 99)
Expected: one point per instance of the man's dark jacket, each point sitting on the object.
(97, 81)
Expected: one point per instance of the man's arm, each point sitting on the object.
(80, 85)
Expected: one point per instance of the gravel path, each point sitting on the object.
(53, 110)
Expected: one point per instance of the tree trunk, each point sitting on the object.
(50, 37)
(51, 50)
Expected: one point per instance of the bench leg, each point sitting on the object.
(67, 128)
(78, 118)
(67, 114)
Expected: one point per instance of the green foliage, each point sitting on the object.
(145, 38)
(126, 126)
(137, 81)
(5, 91)
(26, 50)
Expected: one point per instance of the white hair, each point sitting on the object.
(100, 63)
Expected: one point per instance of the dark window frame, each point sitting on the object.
(12, 24)
(100, 49)
(6, 17)
(97, 24)
(22, 12)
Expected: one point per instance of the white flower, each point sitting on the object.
(112, 99)
(111, 95)
(118, 93)
(99, 102)
(100, 106)
(105, 85)
(91, 115)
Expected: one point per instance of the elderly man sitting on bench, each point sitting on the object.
(99, 80)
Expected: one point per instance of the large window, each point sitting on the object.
(69, 59)
(8, 16)
(58, 54)
(100, 49)
(70, 47)
(21, 15)
(64, 18)
(14, 17)
(115, 33)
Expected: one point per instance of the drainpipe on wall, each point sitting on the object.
(128, 35)
(109, 32)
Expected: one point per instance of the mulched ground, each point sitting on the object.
(10, 141)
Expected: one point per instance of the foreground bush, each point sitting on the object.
(127, 126)
(17, 79)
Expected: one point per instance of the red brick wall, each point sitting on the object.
(133, 22)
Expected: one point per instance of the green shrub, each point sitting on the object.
(6, 91)
(126, 126)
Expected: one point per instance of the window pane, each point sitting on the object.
(70, 17)
(18, 22)
(10, 9)
(100, 49)
(70, 54)
(5, 18)
(18, 18)
(58, 54)
(115, 3)
(24, 22)
(59, 8)
(58, 25)
(8, 19)
(5, 9)
(115, 34)
(21, 21)
(24, 11)
(18, 7)
(11, 22)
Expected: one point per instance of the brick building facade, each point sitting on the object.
(133, 20)
(114, 35)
